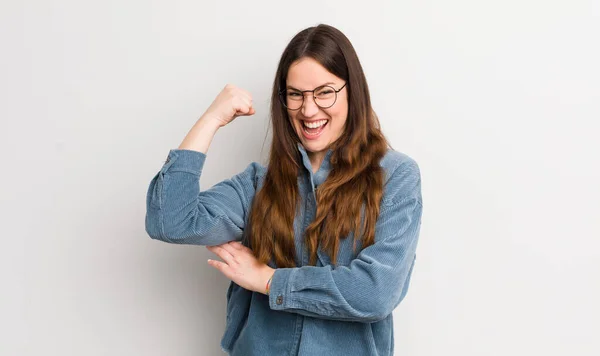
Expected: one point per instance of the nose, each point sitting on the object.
(309, 107)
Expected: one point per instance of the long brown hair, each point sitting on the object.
(356, 177)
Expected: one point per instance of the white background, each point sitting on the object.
(498, 102)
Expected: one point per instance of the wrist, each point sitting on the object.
(269, 278)
(212, 120)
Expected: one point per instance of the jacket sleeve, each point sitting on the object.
(376, 281)
(178, 212)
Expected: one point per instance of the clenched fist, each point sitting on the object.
(229, 104)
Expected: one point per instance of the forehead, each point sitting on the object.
(307, 74)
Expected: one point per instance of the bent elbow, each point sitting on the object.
(378, 307)
(379, 312)
(153, 227)
(167, 230)
(156, 229)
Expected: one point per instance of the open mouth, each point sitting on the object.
(314, 128)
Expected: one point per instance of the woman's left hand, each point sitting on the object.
(241, 266)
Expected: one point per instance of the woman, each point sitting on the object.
(320, 244)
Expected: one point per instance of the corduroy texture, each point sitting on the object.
(342, 309)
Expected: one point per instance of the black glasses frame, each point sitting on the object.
(283, 101)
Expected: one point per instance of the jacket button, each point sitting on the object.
(279, 300)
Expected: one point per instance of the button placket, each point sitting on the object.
(308, 217)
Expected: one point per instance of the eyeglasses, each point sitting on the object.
(324, 96)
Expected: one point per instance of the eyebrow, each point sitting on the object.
(291, 87)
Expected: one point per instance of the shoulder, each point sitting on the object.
(256, 169)
(402, 177)
(395, 163)
(254, 172)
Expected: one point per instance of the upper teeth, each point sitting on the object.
(315, 124)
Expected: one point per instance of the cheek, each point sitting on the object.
(339, 116)
(294, 122)
(291, 117)
(340, 112)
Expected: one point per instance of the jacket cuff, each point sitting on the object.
(279, 290)
(179, 160)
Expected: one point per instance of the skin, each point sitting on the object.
(307, 74)
(240, 266)
(238, 262)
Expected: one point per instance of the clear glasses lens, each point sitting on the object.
(293, 99)
(324, 97)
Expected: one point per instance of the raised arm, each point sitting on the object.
(176, 210)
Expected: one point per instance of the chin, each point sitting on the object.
(315, 147)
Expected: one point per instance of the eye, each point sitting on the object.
(325, 92)
(293, 94)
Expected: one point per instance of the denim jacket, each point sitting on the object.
(343, 309)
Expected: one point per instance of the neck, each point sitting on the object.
(316, 159)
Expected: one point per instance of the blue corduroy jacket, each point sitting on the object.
(343, 309)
